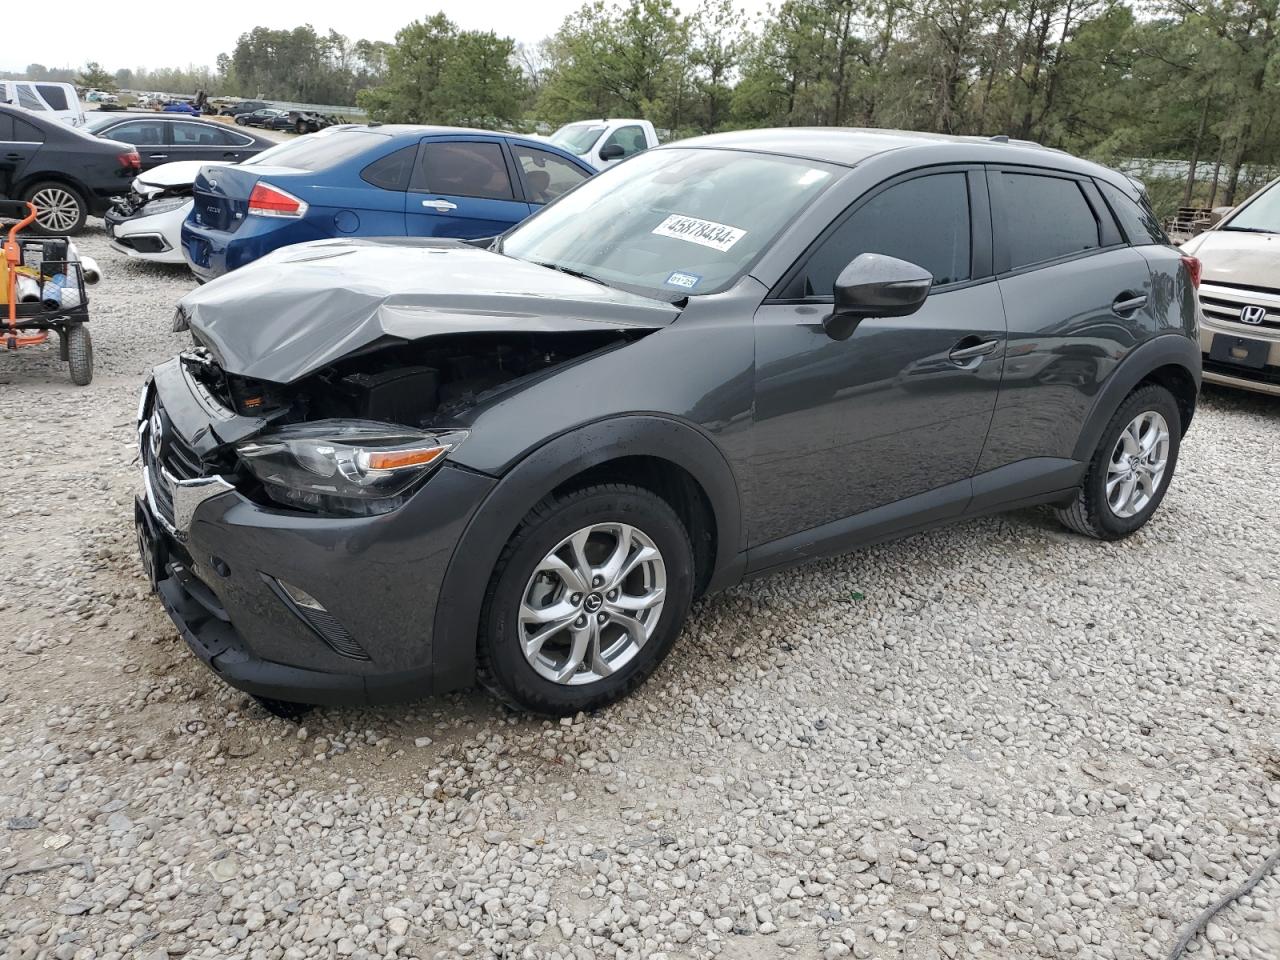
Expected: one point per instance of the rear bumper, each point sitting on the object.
(211, 253)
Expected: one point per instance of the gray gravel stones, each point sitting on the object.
(995, 740)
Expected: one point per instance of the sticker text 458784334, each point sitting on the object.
(708, 233)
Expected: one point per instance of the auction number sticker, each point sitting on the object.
(708, 233)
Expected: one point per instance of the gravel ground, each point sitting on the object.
(997, 740)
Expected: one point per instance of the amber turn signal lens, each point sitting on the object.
(395, 459)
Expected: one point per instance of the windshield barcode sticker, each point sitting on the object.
(717, 236)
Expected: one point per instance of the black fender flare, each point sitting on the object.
(457, 616)
(1172, 349)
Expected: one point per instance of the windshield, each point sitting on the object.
(672, 222)
(577, 137)
(1259, 215)
(317, 153)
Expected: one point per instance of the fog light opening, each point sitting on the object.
(327, 627)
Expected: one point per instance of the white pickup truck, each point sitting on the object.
(602, 143)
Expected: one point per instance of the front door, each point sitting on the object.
(462, 188)
(903, 406)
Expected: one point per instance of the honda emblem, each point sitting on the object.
(1253, 314)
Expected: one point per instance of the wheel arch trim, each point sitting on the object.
(457, 616)
(1166, 350)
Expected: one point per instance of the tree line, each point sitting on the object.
(1193, 80)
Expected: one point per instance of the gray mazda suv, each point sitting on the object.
(387, 469)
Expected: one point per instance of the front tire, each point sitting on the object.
(60, 209)
(586, 599)
(1131, 467)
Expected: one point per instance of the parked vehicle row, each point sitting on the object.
(391, 467)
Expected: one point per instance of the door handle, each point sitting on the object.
(13, 156)
(971, 348)
(440, 206)
(158, 156)
(1128, 302)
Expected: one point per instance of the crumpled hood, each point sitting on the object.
(303, 307)
(1234, 256)
(179, 173)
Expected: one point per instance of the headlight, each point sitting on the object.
(348, 467)
(163, 205)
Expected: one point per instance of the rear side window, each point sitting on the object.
(1045, 218)
(199, 135)
(924, 221)
(27, 97)
(1136, 217)
(546, 176)
(142, 133)
(16, 130)
(392, 171)
(463, 169)
(55, 96)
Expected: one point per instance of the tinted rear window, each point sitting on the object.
(1136, 217)
(458, 168)
(318, 153)
(16, 130)
(392, 171)
(1045, 218)
(56, 97)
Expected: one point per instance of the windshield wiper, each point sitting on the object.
(1250, 229)
(571, 272)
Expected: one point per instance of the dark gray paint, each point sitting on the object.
(805, 445)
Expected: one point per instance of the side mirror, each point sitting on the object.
(611, 151)
(874, 285)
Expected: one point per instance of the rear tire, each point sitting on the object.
(80, 354)
(620, 617)
(60, 209)
(1137, 453)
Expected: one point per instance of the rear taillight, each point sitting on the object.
(269, 201)
(1194, 268)
(130, 160)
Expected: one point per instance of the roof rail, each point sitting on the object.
(999, 138)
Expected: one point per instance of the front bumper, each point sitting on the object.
(155, 238)
(223, 566)
(1223, 309)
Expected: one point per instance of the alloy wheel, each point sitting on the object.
(57, 210)
(1138, 464)
(592, 603)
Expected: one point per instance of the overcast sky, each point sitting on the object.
(183, 33)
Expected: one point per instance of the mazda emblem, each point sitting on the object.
(1253, 314)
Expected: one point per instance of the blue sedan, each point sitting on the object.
(371, 181)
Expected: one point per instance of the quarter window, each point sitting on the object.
(1135, 216)
(463, 169)
(392, 171)
(546, 176)
(924, 221)
(1045, 218)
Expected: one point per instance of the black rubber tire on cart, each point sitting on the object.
(80, 354)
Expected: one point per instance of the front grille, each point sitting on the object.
(175, 457)
(1224, 303)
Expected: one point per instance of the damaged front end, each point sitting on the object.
(341, 398)
(145, 221)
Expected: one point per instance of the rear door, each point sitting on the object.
(147, 134)
(462, 187)
(19, 141)
(1078, 299)
(189, 140)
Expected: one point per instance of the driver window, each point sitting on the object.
(924, 221)
(630, 139)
